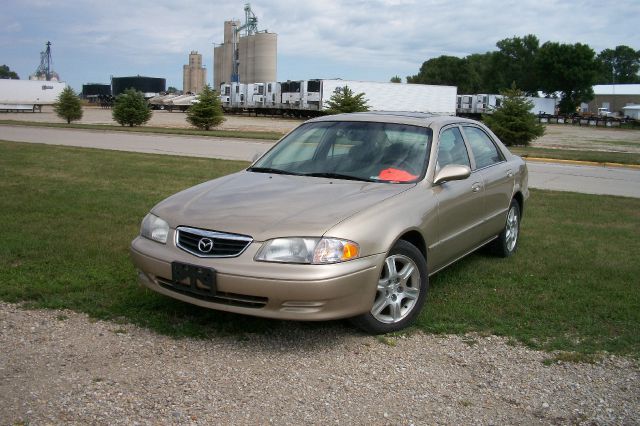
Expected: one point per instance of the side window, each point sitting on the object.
(452, 149)
(484, 151)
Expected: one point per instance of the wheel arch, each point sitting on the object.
(520, 199)
(415, 238)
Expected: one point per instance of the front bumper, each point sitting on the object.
(271, 290)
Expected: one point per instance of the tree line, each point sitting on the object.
(568, 69)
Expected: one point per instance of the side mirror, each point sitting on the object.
(452, 172)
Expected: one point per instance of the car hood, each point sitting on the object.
(266, 206)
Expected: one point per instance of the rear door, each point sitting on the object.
(490, 166)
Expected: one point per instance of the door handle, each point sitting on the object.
(476, 187)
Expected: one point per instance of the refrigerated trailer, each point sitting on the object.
(28, 95)
(475, 105)
(396, 96)
(310, 97)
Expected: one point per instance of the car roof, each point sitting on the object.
(400, 117)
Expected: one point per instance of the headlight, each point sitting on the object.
(154, 228)
(308, 250)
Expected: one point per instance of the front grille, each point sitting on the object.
(224, 298)
(203, 243)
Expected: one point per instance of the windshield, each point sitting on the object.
(376, 152)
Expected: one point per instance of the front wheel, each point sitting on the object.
(401, 291)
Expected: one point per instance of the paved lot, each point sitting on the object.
(192, 146)
(561, 177)
(556, 136)
(585, 179)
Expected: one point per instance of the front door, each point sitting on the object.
(460, 204)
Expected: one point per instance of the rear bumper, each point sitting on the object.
(281, 291)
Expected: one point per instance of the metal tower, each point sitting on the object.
(250, 27)
(45, 63)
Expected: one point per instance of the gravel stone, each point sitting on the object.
(62, 367)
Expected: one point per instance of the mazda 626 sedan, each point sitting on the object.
(346, 217)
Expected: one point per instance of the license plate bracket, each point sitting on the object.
(193, 279)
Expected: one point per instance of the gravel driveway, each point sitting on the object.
(61, 367)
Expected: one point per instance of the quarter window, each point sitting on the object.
(484, 150)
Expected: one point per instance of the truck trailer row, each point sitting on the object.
(306, 98)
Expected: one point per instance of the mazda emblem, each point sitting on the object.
(205, 245)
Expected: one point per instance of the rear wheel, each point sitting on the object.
(507, 242)
(401, 291)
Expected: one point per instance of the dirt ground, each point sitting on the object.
(95, 115)
(556, 135)
(567, 136)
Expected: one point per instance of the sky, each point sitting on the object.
(371, 40)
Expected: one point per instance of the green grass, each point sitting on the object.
(145, 129)
(578, 155)
(69, 214)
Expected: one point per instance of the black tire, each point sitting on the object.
(402, 291)
(507, 242)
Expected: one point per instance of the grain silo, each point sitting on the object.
(194, 75)
(246, 55)
(258, 57)
(223, 56)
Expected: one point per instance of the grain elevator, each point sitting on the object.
(247, 55)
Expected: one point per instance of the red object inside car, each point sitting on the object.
(396, 175)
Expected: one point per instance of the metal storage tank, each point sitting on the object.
(258, 57)
(95, 89)
(139, 83)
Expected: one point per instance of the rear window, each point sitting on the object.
(484, 150)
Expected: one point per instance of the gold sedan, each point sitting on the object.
(346, 217)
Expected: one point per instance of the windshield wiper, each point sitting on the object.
(331, 175)
(271, 170)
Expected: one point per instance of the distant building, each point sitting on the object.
(194, 76)
(614, 97)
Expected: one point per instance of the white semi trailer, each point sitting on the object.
(473, 105)
(543, 105)
(395, 96)
(28, 95)
(310, 97)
